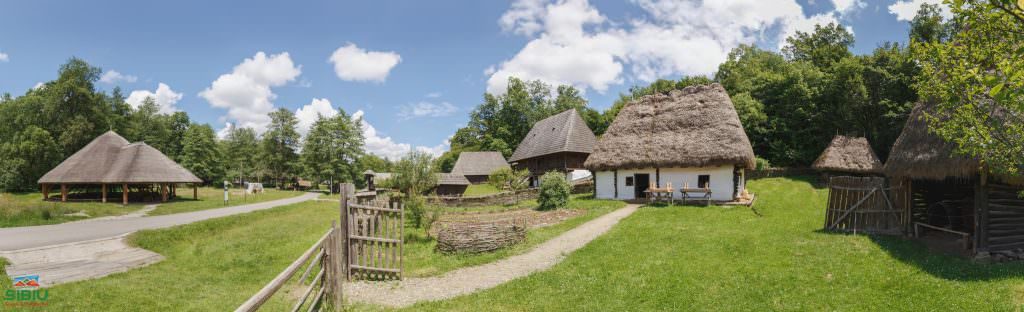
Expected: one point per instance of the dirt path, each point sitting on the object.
(472, 279)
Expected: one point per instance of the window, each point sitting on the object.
(629, 181)
(704, 181)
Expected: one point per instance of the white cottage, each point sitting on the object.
(691, 137)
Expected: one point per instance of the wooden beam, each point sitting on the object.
(657, 177)
(63, 192)
(195, 191)
(124, 194)
(981, 213)
(46, 192)
(615, 183)
(163, 192)
(104, 187)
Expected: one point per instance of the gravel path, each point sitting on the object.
(472, 279)
(45, 235)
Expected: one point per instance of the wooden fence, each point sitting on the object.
(374, 230)
(862, 204)
(324, 287)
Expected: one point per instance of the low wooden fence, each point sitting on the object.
(374, 230)
(862, 205)
(324, 288)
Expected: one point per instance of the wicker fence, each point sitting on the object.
(862, 205)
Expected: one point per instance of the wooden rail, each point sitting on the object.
(326, 257)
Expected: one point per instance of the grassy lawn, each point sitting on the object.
(715, 258)
(480, 190)
(26, 209)
(421, 259)
(213, 265)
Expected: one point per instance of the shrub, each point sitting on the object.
(416, 208)
(761, 163)
(554, 191)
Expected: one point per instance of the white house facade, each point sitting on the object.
(725, 182)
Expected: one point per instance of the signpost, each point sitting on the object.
(225, 192)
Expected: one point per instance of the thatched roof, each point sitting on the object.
(479, 163)
(451, 179)
(849, 154)
(919, 154)
(111, 159)
(693, 127)
(563, 132)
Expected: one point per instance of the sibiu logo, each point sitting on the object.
(26, 292)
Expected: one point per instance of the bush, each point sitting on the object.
(761, 163)
(417, 209)
(554, 191)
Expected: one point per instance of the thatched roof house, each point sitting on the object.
(110, 159)
(477, 166)
(691, 137)
(849, 154)
(560, 142)
(942, 191)
(450, 184)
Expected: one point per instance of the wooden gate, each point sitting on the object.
(862, 204)
(374, 227)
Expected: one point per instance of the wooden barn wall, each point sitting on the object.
(1005, 228)
(561, 162)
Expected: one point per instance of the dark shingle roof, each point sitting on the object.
(111, 159)
(451, 179)
(563, 132)
(479, 163)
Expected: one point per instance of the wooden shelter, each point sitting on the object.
(849, 155)
(559, 143)
(951, 194)
(691, 138)
(110, 162)
(450, 184)
(478, 166)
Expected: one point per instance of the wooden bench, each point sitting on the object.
(704, 192)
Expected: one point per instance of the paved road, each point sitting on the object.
(46, 235)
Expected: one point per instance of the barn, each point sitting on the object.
(848, 156)
(558, 143)
(478, 166)
(690, 138)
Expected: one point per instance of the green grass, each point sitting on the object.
(212, 265)
(480, 190)
(420, 259)
(726, 258)
(26, 209)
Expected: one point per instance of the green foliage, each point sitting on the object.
(280, 143)
(976, 80)
(554, 191)
(762, 164)
(508, 179)
(27, 157)
(928, 25)
(823, 47)
(416, 207)
(201, 154)
(414, 174)
(240, 148)
(332, 150)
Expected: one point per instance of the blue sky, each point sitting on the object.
(413, 69)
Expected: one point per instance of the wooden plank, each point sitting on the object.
(264, 294)
(309, 290)
(375, 239)
(375, 269)
(371, 208)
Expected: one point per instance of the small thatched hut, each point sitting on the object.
(450, 184)
(951, 192)
(560, 143)
(110, 160)
(478, 166)
(690, 137)
(849, 155)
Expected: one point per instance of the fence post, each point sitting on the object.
(347, 190)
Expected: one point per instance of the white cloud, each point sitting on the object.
(906, 10)
(426, 109)
(246, 91)
(307, 115)
(844, 7)
(223, 132)
(352, 63)
(39, 85)
(433, 95)
(4, 57)
(112, 77)
(164, 97)
(385, 146)
(571, 42)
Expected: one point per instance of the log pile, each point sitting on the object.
(480, 236)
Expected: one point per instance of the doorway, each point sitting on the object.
(643, 182)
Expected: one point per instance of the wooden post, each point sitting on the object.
(615, 182)
(163, 192)
(124, 194)
(104, 191)
(657, 177)
(981, 213)
(46, 192)
(195, 191)
(337, 267)
(63, 193)
(344, 229)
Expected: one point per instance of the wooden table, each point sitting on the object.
(706, 194)
(659, 195)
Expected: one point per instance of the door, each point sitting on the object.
(643, 182)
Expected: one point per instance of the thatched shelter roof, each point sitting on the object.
(479, 163)
(693, 127)
(562, 132)
(919, 154)
(451, 179)
(111, 159)
(849, 154)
